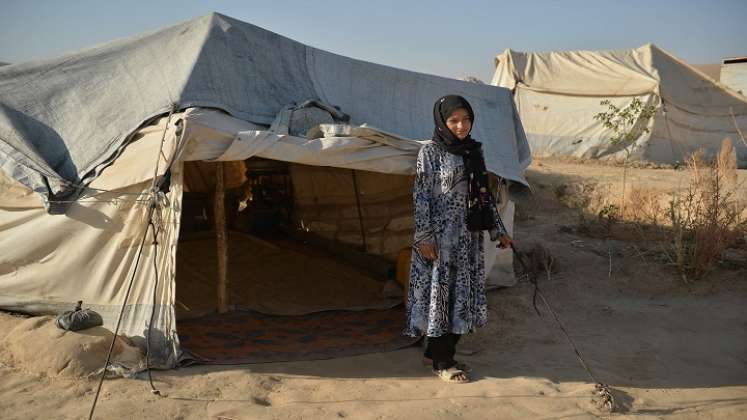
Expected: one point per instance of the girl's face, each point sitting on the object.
(459, 123)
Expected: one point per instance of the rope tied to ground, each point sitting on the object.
(605, 399)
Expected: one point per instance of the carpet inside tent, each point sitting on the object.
(251, 337)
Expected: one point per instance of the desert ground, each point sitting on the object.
(668, 349)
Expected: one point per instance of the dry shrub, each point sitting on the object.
(645, 209)
(694, 226)
(538, 260)
(644, 206)
(707, 218)
(591, 200)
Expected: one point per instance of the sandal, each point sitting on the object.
(459, 365)
(452, 375)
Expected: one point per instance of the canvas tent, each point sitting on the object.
(733, 74)
(558, 93)
(84, 139)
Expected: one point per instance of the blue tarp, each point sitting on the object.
(62, 120)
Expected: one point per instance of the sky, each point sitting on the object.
(447, 38)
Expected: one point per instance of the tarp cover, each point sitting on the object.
(558, 93)
(63, 120)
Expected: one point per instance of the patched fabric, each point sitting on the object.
(446, 295)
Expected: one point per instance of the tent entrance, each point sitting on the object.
(296, 236)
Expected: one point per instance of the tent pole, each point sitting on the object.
(219, 213)
(360, 213)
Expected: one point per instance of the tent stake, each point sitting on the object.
(360, 213)
(219, 212)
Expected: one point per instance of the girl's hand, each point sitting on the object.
(427, 250)
(504, 241)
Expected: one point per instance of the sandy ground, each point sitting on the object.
(551, 172)
(667, 349)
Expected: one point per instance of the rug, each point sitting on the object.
(243, 337)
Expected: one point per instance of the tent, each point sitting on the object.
(733, 74)
(97, 148)
(558, 93)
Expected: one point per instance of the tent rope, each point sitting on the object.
(155, 202)
(606, 400)
(121, 313)
(153, 389)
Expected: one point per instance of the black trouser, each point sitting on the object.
(441, 350)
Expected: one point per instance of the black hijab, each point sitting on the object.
(480, 201)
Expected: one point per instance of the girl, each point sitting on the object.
(453, 207)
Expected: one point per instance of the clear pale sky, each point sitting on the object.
(448, 38)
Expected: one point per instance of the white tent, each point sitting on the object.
(733, 74)
(558, 94)
(78, 177)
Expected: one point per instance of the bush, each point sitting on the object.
(708, 218)
(693, 227)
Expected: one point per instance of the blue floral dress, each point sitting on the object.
(446, 295)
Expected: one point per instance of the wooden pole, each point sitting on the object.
(360, 213)
(219, 213)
